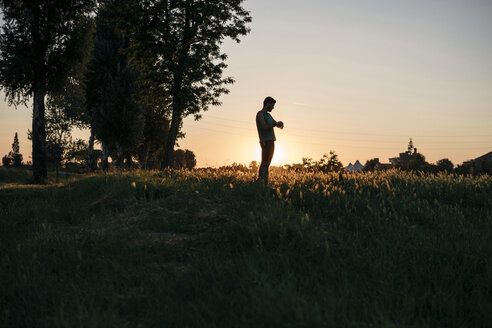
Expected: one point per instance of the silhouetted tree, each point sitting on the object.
(117, 118)
(180, 40)
(307, 163)
(15, 154)
(77, 156)
(371, 165)
(410, 148)
(6, 161)
(39, 43)
(445, 165)
(184, 159)
(150, 153)
(65, 109)
(58, 137)
(14, 157)
(330, 163)
(417, 163)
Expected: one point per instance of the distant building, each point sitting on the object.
(356, 167)
(479, 165)
(482, 159)
(404, 158)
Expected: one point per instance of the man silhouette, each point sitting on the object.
(265, 124)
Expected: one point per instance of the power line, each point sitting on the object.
(360, 133)
(359, 140)
(328, 145)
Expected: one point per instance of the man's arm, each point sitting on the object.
(261, 120)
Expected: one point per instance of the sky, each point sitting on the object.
(357, 77)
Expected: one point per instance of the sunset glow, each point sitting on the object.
(357, 77)
(279, 157)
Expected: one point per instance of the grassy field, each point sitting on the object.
(19, 176)
(208, 248)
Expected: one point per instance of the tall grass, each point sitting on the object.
(217, 248)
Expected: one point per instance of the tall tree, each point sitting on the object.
(151, 151)
(58, 137)
(60, 147)
(410, 148)
(14, 157)
(180, 40)
(116, 114)
(65, 109)
(15, 153)
(39, 43)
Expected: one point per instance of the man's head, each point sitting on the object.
(269, 103)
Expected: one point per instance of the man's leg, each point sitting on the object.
(267, 149)
(263, 168)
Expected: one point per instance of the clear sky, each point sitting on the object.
(357, 77)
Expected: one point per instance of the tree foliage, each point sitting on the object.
(150, 153)
(184, 159)
(328, 163)
(416, 163)
(410, 148)
(445, 165)
(15, 154)
(14, 157)
(40, 43)
(117, 117)
(178, 44)
(371, 165)
(58, 136)
(6, 161)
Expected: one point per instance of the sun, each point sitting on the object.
(278, 155)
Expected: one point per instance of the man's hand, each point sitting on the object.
(280, 124)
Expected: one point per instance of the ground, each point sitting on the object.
(216, 248)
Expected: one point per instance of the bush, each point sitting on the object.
(445, 165)
(371, 165)
(6, 161)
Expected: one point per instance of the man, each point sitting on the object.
(265, 124)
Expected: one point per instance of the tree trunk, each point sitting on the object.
(178, 101)
(171, 141)
(104, 149)
(171, 137)
(146, 157)
(119, 155)
(129, 162)
(90, 158)
(40, 172)
(57, 175)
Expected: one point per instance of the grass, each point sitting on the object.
(14, 175)
(23, 176)
(208, 248)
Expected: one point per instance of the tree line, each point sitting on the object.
(129, 71)
(414, 161)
